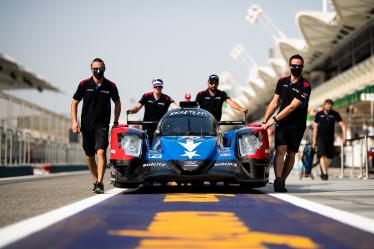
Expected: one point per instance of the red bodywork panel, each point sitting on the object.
(264, 151)
(116, 153)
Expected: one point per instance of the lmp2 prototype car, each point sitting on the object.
(189, 147)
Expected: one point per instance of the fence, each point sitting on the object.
(30, 134)
(356, 154)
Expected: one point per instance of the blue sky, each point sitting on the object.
(182, 42)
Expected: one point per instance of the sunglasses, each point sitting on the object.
(158, 87)
(215, 83)
(297, 66)
(98, 69)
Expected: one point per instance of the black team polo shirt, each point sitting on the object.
(96, 108)
(212, 104)
(287, 92)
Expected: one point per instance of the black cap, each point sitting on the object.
(213, 78)
(329, 101)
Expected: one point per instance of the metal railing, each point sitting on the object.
(359, 145)
(19, 147)
(30, 134)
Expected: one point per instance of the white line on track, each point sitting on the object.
(19, 230)
(80, 172)
(345, 217)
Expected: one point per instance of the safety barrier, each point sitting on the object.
(356, 155)
(18, 147)
(31, 134)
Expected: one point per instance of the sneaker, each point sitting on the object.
(94, 187)
(324, 177)
(99, 188)
(279, 185)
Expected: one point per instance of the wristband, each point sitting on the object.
(115, 123)
(263, 122)
(275, 119)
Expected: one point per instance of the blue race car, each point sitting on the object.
(189, 147)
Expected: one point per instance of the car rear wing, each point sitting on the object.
(232, 123)
(138, 122)
(241, 122)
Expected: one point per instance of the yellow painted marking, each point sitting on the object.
(207, 230)
(187, 197)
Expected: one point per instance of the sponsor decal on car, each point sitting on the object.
(191, 163)
(154, 164)
(225, 154)
(189, 112)
(226, 164)
(155, 156)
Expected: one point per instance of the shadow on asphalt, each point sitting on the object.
(189, 189)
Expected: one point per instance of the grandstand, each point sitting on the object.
(338, 48)
(30, 134)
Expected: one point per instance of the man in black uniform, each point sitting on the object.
(156, 104)
(323, 135)
(96, 92)
(292, 94)
(212, 99)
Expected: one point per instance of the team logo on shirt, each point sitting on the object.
(304, 95)
(296, 90)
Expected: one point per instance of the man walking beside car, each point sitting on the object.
(96, 92)
(292, 94)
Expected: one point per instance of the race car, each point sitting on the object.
(189, 147)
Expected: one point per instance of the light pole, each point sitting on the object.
(256, 14)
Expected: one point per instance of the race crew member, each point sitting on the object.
(323, 135)
(156, 104)
(96, 92)
(292, 94)
(212, 99)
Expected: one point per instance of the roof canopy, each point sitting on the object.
(15, 76)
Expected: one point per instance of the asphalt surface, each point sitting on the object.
(172, 217)
(25, 197)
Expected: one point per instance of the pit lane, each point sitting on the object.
(212, 217)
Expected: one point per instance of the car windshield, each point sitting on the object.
(187, 126)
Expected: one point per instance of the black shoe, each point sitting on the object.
(94, 187)
(99, 188)
(279, 185)
(324, 177)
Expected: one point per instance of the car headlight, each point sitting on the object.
(249, 144)
(132, 145)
